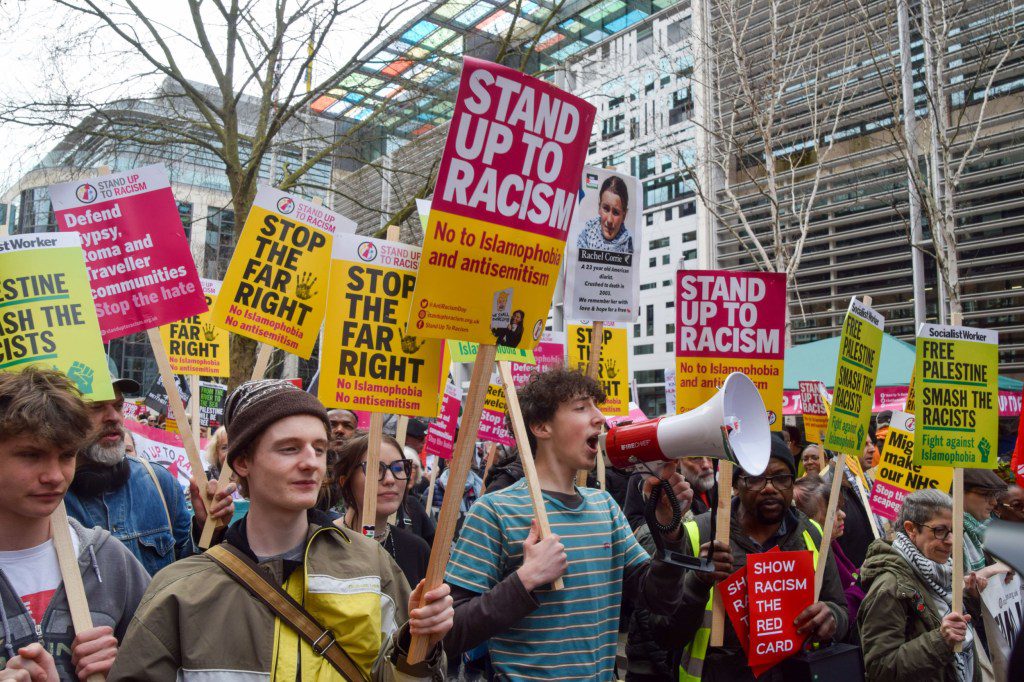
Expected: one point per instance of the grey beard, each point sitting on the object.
(702, 484)
(103, 455)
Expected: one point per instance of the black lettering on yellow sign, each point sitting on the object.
(32, 286)
(371, 326)
(189, 337)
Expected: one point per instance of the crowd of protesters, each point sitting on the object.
(162, 609)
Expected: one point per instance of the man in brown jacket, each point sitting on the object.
(197, 623)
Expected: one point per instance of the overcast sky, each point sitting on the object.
(55, 50)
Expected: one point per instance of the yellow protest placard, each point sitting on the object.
(859, 349)
(812, 403)
(368, 362)
(898, 476)
(275, 289)
(613, 372)
(956, 381)
(195, 346)
(47, 316)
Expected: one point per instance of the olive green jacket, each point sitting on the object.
(196, 623)
(899, 626)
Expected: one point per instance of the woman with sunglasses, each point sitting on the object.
(409, 551)
(908, 628)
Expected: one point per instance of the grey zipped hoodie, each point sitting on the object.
(114, 584)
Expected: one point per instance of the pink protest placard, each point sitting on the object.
(441, 432)
(548, 354)
(780, 586)
(635, 415)
(886, 500)
(493, 428)
(140, 268)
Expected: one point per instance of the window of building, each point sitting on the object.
(665, 189)
(658, 243)
(650, 376)
(670, 328)
(647, 285)
(690, 254)
(689, 237)
(649, 219)
(668, 214)
(689, 208)
(650, 320)
(644, 42)
(220, 241)
(636, 330)
(670, 347)
(666, 259)
(666, 282)
(185, 213)
(670, 304)
(651, 262)
(36, 214)
(678, 31)
(681, 106)
(612, 126)
(643, 349)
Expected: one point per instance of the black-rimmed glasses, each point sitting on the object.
(758, 483)
(400, 469)
(940, 532)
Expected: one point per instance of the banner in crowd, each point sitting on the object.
(613, 370)
(441, 432)
(275, 289)
(670, 391)
(502, 207)
(194, 345)
(894, 398)
(859, 349)
(602, 272)
(730, 322)
(493, 427)
(897, 475)
(955, 372)
(368, 361)
(635, 415)
(465, 351)
(211, 403)
(163, 448)
(156, 397)
(134, 410)
(812, 404)
(548, 354)
(137, 258)
(1003, 613)
(47, 316)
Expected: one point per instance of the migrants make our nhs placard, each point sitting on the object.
(46, 313)
(502, 208)
(275, 289)
(368, 361)
(137, 258)
(730, 322)
(602, 273)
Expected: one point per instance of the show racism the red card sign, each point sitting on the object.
(734, 595)
(441, 432)
(507, 188)
(780, 586)
(140, 268)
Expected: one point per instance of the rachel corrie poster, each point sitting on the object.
(603, 249)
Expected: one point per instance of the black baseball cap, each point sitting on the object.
(123, 384)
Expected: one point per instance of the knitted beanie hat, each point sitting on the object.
(780, 451)
(255, 405)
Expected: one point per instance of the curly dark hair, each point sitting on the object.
(545, 391)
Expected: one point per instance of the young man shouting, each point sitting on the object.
(197, 623)
(43, 421)
(501, 572)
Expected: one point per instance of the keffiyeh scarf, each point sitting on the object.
(938, 578)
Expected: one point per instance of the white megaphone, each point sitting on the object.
(732, 425)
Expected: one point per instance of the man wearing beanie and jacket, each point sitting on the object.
(762, 518)
(196, 622)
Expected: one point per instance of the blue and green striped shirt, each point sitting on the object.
(573, 633)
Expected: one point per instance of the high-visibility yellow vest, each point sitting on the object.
(691, 667)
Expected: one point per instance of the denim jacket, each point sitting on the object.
(134, 514)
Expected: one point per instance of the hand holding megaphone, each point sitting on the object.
(680, 488)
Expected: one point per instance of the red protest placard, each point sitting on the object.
(730, 322)
(140, 268)
(733, 592)
(441, 432)
(780, 586)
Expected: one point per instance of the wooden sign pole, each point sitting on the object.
(492, 454)
(401, 429)
(262, 361)
(723, 526)
(206, 539)
(175, 405)
(81, 618)
(458, 470)
(430, 489)
(526, 457)
(863, 495)
(594, 372)
(838, 473)
(956, 319)
(368, 515)
(193, 382)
